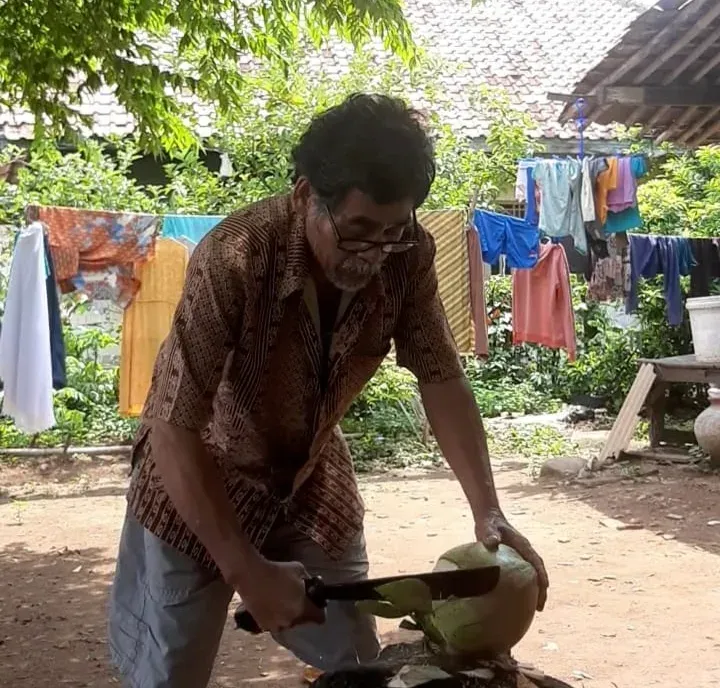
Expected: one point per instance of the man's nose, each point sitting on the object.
(374, 255)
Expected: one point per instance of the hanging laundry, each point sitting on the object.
(532, 204)
(587, 193)
(707, 266)
(623, 212)
(110, 284)
(508, 236)
(651, 256)
(579, 263)
(57, 340)
(189, 229)
(606, 181)
(521, 189)
(478, 307)
(96, 252)
(610, 279)
(147, 321)
(25, 359)
(591, 170)
(448, 229)
(560, 183)
(622, 196)
(542, 309)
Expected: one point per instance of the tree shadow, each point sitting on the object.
(52, 617)
(673, 502)
(53, 626)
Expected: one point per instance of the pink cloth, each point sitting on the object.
(624, 195)
(542, 307)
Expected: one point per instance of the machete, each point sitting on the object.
(442, 585)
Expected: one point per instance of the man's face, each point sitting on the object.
(356, 218)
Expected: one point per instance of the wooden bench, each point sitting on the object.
(650, 389)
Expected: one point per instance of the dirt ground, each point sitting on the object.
(629, 606)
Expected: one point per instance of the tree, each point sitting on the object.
(683, 197)
(153, 52)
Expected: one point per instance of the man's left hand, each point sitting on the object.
(494, 529)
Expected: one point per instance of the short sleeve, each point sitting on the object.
(206, 322)
(423, 339)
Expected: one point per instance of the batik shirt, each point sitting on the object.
(242, 366)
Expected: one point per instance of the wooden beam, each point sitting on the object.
(669, 132)
(686, 37)
(565, 97)
(701, 95)
(635, 116)
(658, 116)
(693, 57)
(695, 95)
(707, 67)
(689, 115)
(707, 134)
(670, 30)
(696, 128)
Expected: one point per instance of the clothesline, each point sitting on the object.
(138, 261)
(108, 255)
(613, 275)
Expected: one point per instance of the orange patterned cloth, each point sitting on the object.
(98, 251)
(242, 366)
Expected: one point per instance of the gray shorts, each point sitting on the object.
(167, 614)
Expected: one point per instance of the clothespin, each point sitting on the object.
(471, 209)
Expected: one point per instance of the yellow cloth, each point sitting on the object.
(147, 321)
(453, 272)
(606, 182)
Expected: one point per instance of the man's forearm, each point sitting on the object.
(456, 423)
(193, 483)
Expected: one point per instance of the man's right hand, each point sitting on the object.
(274, 593)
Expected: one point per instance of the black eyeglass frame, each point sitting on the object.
(367, 245)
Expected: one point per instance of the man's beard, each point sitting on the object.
(353, 274)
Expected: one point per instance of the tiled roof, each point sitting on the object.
(527, 47)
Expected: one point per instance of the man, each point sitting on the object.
(242, 481)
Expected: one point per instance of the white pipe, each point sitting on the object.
(39, 452)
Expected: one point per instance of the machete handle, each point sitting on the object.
(314, 589)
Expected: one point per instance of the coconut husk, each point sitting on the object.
(416, 665)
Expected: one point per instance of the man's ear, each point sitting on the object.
(302, 196)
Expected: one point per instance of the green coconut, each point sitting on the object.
(488, 625)
(484, 626)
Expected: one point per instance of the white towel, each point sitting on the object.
(25, 363)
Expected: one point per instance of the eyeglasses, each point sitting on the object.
(362, 245)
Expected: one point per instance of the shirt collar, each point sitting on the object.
(297, 264)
